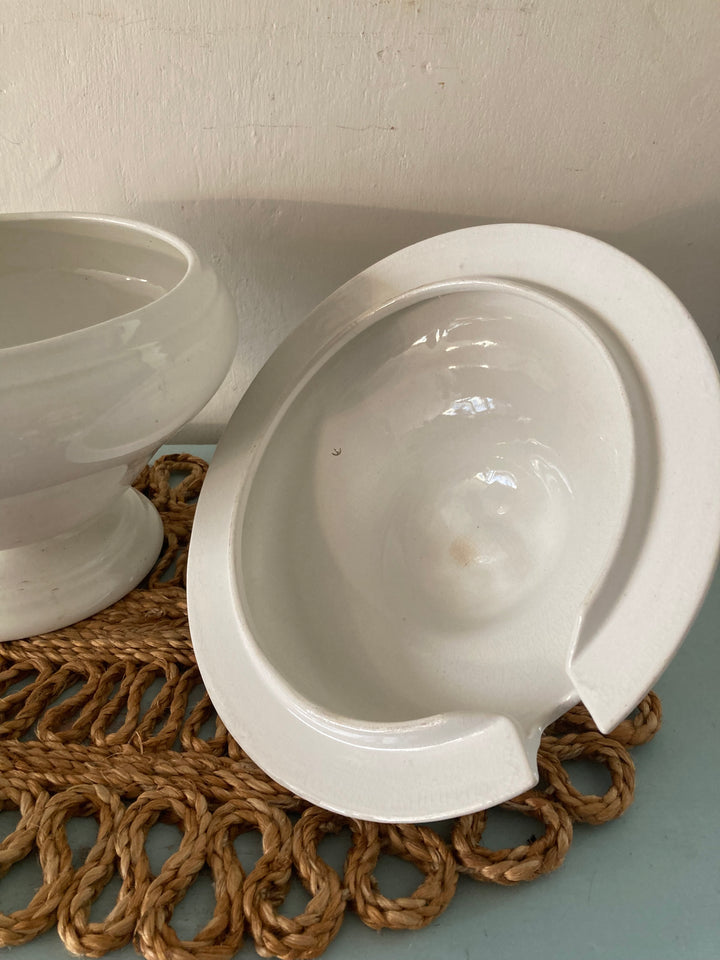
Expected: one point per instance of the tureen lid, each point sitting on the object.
(475, 486)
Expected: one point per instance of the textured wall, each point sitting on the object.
(296, 141)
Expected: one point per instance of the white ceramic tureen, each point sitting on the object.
(112, 335)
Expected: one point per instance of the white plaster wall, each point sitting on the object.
(297, 141)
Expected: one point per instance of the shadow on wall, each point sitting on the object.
(280, 258)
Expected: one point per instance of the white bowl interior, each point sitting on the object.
(59, 275)
(436, 507)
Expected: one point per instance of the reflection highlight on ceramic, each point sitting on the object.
(484, 479)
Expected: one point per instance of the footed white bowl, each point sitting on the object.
(112, 335)
(477, 485)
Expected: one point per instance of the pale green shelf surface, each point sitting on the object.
(646, 887)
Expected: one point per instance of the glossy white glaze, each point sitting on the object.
(455, 478)
(112, 335)
(452, 504)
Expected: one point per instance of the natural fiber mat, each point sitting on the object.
(79, 739)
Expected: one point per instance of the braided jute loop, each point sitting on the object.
(150, 900)
(525, 861)
(267, 885)
(154, 936)
(588, 746)
(418, 845)
(47, 823)
(324, 913)
(108, 719)
(30, 804)
(76, 931)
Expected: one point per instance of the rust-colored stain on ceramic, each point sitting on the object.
(463, 551)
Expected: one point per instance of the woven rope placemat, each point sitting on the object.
(101, 752)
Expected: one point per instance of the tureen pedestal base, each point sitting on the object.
(51, 583)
